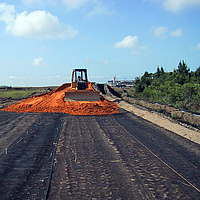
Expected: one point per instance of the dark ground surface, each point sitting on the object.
(98, 157)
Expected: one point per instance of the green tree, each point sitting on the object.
(183, 68)
(182, 74)
(180, 87)
(197, 75)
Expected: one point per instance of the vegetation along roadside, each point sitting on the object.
(170, 93)
(180, 88)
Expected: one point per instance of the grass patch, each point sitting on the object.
(17, 94)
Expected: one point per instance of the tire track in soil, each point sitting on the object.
(24, 170)
(160, 179)
(97, 159)
(87, 167)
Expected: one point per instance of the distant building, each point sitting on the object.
(124, 83)
(114, 78)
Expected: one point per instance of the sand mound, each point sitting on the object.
(54, 102)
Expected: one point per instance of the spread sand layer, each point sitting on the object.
(54, 102)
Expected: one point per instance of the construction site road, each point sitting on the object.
(119, 156)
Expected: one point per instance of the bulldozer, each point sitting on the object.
(79, 88)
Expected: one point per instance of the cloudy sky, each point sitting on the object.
(41, 41)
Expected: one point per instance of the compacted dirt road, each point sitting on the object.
(119, 156)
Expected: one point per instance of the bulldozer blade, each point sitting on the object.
(82, 95)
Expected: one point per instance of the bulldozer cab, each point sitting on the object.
(79, 79)
(79, 85)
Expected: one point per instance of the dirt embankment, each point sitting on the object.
(170, 111)
(175, 113)
(54, 102)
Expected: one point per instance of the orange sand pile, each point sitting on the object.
(54, 102)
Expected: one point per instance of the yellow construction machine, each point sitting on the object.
(79, 88)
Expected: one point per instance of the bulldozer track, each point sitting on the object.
(120, 156)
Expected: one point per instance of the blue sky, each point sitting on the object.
(41, 41)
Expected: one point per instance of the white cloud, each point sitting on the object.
(128, 42)
(176, 6)
(36, 24)
(7, 13)
(98, 8)
(176, 33)
(12, 77)
(37, 61)
(101, 10)
(179, 5)
(163, 32)
(160, 32)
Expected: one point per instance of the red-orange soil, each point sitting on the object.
(54, 102)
